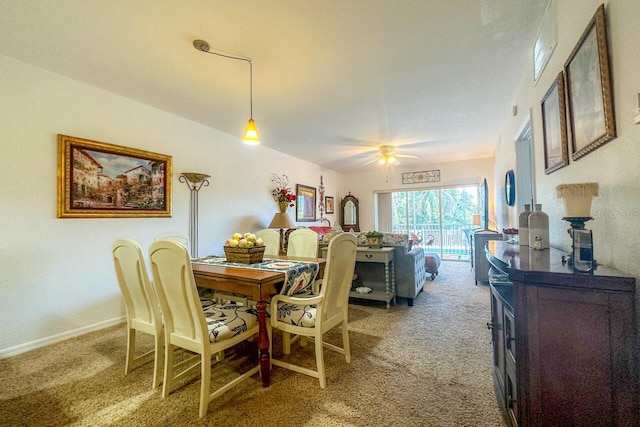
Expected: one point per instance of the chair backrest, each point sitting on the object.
(184, 319)
(303, 243)
(338, 274)
(271, 241)
(175, 236)
(139, 297)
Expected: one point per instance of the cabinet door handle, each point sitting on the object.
(489, 325)
(368, 256)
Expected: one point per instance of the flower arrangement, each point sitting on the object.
(282, 194)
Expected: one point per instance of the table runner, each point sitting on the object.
(298, 275)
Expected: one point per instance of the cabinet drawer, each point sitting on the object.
(371, 256)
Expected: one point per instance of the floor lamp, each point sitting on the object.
(281, 220)
(195, 181)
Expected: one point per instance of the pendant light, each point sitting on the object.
(251, 135)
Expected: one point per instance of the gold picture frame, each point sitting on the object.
(554, 127)
(100, 180)
(305, 203)
(589, 92)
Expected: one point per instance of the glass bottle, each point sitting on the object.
(523, 226)
(538, 229)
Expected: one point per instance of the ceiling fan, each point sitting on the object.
(388, 156)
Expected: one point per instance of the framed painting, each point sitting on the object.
(100, 180)
(329, 204)
(421, 177)
(589, 93)
(554, 127)
(305, 203)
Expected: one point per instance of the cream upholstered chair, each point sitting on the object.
(204, 332)
(314, 315)
(303, 243)
(271, 241)
(143, 311)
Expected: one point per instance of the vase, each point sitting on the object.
(538, 229)
(283, 206)
(523, 225)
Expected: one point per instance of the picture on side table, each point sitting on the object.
(100, 180)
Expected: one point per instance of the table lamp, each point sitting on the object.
(281, 220)
(475, 219)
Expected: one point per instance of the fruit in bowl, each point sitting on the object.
(246, 240)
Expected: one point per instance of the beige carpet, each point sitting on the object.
(426, 365)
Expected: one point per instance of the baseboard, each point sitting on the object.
(23, 348)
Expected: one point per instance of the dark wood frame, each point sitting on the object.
(343, 202)
(329, 205)
(305, 203)
(554, 126)
(87, 189)
(594, 89)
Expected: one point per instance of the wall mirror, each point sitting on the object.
(510, 188)
(349, 209)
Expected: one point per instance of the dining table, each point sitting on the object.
(257, 284)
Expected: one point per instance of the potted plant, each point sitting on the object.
(374, 238)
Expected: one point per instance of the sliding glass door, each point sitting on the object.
(438, 220)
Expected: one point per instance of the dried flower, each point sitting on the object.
(282, 193)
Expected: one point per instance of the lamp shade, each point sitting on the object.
(251, 136)
(476, 219)
(281, 220)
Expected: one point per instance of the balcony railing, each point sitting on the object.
(451, 242)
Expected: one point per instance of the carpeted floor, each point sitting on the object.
(426, 365)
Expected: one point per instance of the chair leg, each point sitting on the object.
(345, 342)
(168, 370)
(157, 360)
(131, 347)
(286, 342)
(320, 360)
(205, 382)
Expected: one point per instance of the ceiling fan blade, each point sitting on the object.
(408, 156)
(371, 161)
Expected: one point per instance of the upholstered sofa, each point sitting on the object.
(409, 264)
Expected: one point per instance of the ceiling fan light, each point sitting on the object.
(251, 136)
(391, 160)
(382, 160)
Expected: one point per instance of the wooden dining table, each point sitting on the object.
(259, 285)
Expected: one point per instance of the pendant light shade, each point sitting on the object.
(251, 135)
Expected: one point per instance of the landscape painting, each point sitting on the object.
(97, 179)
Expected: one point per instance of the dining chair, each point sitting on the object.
(143, 311)
(189, 324)
(175, 236)
(303, 242)
(271, 241)
(313, 315)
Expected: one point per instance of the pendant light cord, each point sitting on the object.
(203, 46)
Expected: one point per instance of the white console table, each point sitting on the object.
(379, 255)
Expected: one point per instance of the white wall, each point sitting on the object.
(614, 165)
(363, 185)
(56, 275)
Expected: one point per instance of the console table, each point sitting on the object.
(384, 256)
(564, 346)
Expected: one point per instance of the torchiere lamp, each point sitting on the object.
(281, 220)
(195, 181)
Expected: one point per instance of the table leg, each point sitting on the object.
(263, 343)
(386, 284)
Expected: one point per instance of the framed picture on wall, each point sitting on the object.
(589, 94)
(305, 203)
(100, 180)
(554, 127)
(329, 204)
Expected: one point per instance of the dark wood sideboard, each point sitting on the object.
(564, 345)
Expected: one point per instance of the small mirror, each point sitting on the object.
(510, 188)
(349, 209)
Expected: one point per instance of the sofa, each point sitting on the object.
(409, 265)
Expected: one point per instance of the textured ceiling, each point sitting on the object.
(332, 79)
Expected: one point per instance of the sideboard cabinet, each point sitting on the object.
(564, 344)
